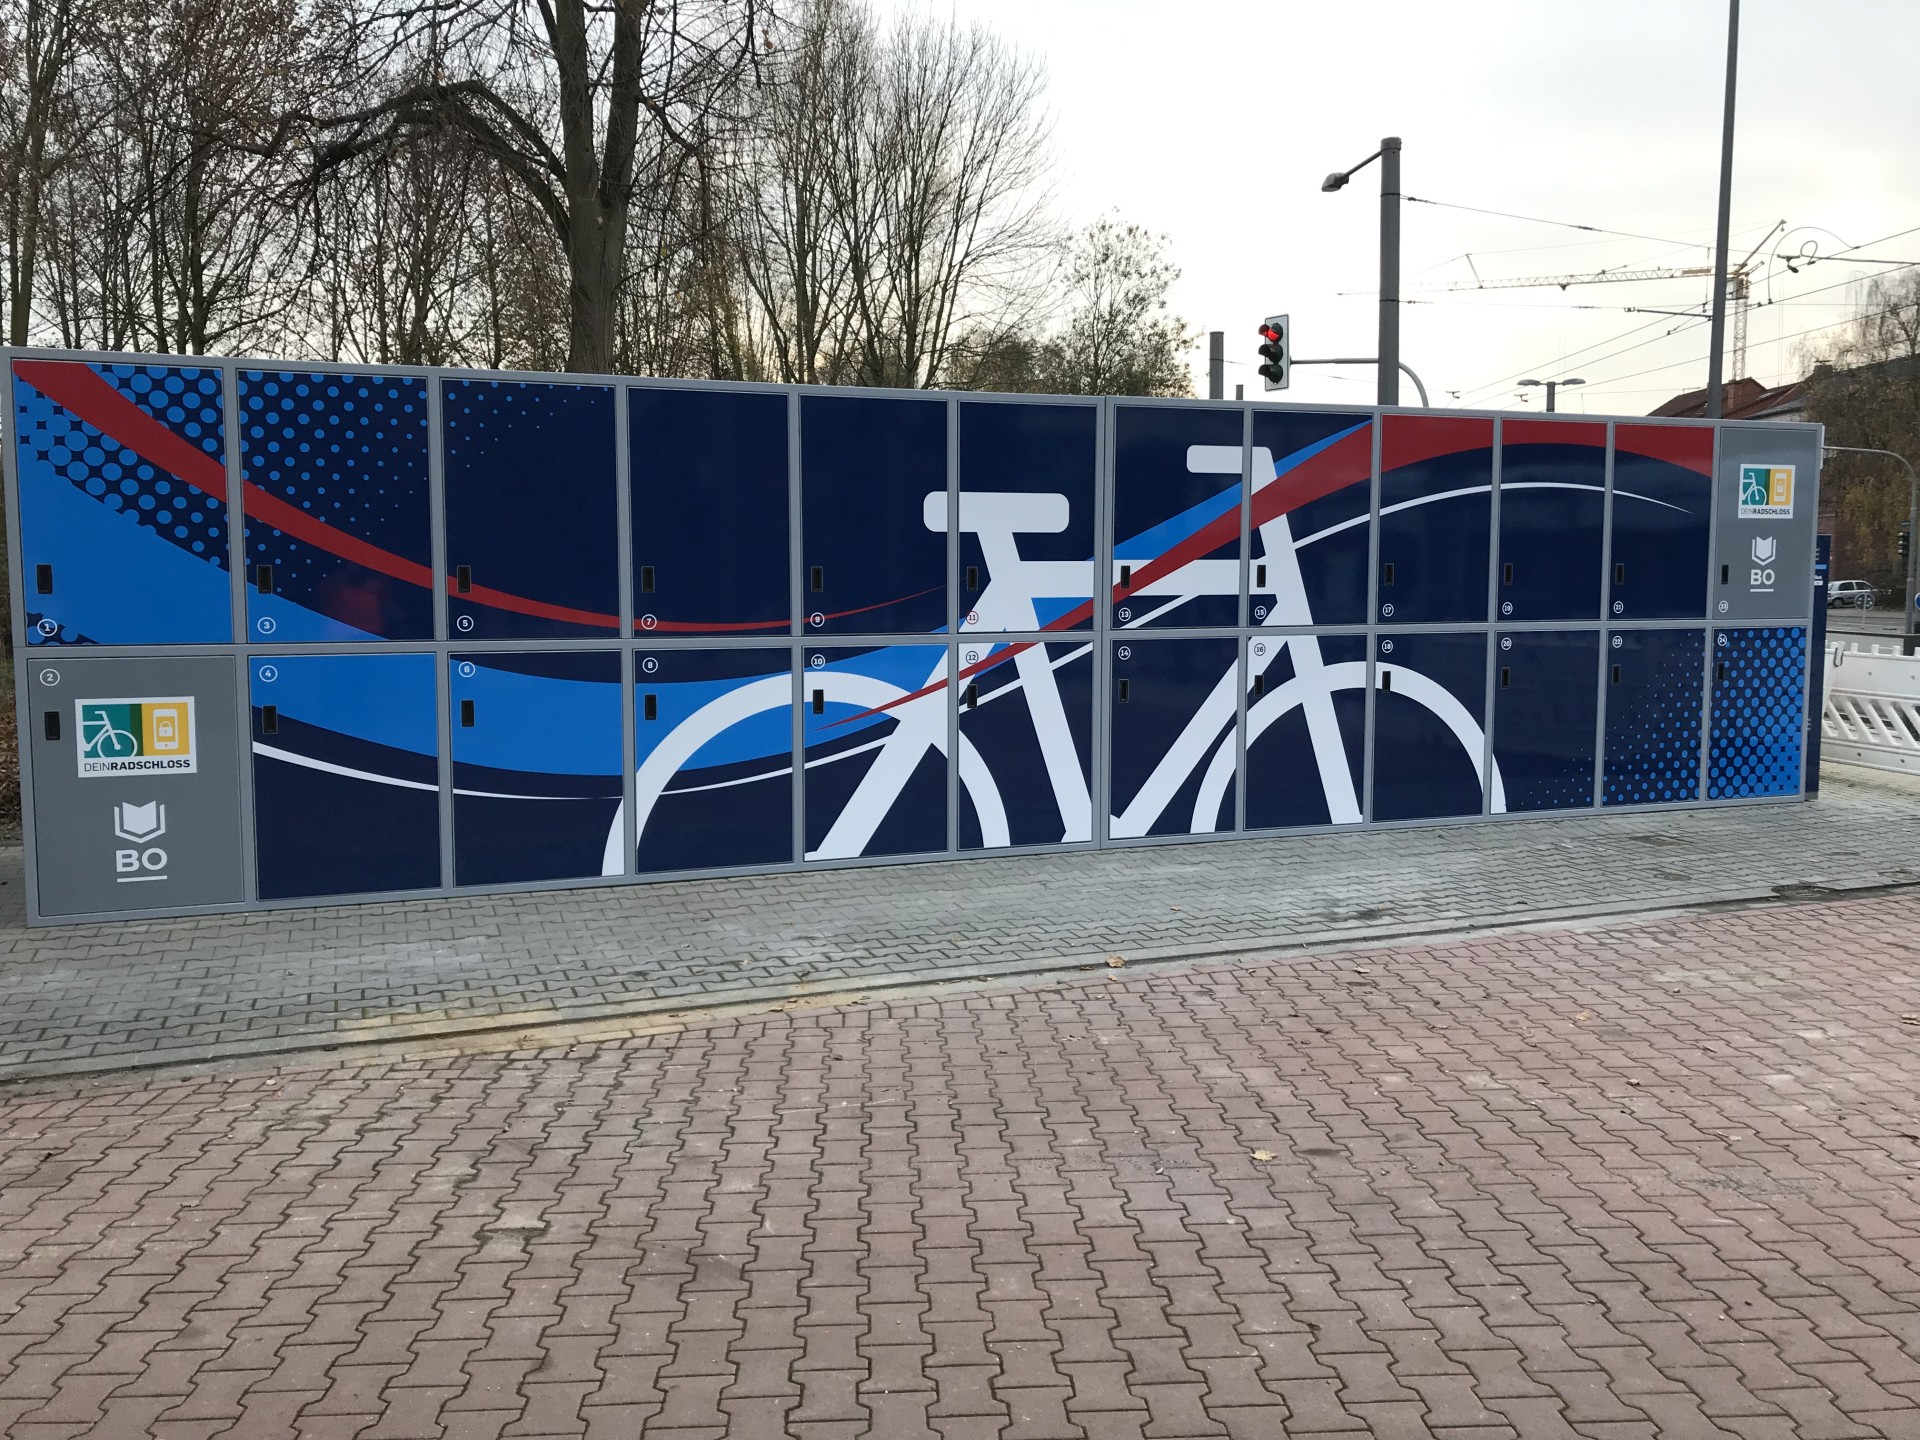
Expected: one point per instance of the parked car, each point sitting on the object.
(1857, 593)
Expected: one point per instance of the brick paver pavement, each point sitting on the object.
(102, 996)
(1648, 1178)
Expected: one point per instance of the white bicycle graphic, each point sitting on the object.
(1009, 603)
(101, 739)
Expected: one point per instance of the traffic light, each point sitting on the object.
(1274, 360)
(1906, 545)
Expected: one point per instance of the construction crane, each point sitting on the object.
(1739, 287)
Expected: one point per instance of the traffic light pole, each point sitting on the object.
(1371, 360)
(1910, 624)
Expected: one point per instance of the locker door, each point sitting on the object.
(1545, 724)
(1173, 712)
(1655, 680)
(1553, 500)
(1312, 502)
(875, 750)
(1026, 553)
(339, 537)
(1436, 510)
(123, 503)
(713, 755)
(1429, 707)
(1026, 743)
(346, 792)
(536, 766)
(873, 484)
(1306, 730)
(1176, 517)
(710, 512)
(1759, 695)
(1662, 516)
(532, 510)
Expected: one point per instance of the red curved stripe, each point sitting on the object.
(80, 389)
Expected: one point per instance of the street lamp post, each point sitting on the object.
(1910, 624)
(1389, 349)
(1553, 386)
(1718, 327)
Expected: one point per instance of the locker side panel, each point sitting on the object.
(345, 774)
(710, 479)
(1436, 510)
(1173, 713)
(1026, 744)
(135, 765)
(536, 766)
(875, 750)
(1547, 686)
(1662, 519)
(339, 540)
(1312, 504)
(1027, 477)
(1654, 696)
(123, 503)
(713, 742)
(1553, 500)
(1429, 706)
(873, 473)
(1759, 689)
(1176, 517)
(1306, 730)
(532, 510)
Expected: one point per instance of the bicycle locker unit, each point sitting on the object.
(292, 634)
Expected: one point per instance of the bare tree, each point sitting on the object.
(1865, 388)
(584, 107)
(896, 199)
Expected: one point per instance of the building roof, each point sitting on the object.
(1743, 399)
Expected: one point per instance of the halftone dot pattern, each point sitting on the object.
(186, 401)
(1759, 679)
(1653, 718)
(352, 451)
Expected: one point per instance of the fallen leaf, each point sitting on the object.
(1584, 1015)
(1263, 1155)
(1114, 962)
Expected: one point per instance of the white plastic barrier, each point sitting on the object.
(1872, 715)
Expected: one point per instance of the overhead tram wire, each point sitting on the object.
(1562, 224)
(1502, 383)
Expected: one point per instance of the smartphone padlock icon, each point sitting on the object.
(166, 727)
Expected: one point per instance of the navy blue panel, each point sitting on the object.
(1301, 692)
(1545, 724)
(1159, 688)
(1027, 476)
(1436, 515)
(1167, 516)
(1020, 707)
(867, 467)
(881, 713)
(345, 786)
(122, 487)
(1553, 504)
(531, 485)
(1662, 518)
(536, 774)
(1759, 690)
(1312, 494)
(710, 480)
(336, 466)
(714, 782)
(1654, 688)
(1426, 757)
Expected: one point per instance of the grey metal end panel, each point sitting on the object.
(136, 783)
(1766, 503)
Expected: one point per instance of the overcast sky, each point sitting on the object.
(1215, 121)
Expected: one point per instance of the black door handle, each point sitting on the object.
(466, 714)
(263, 579)
(51, 724)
